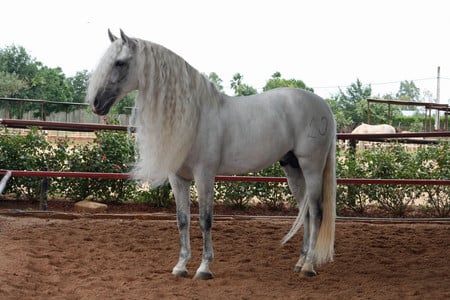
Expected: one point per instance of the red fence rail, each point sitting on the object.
(357, 181)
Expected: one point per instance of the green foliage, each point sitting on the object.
(241, 89)
(111, 152)
(392, 161)
(235, 194)
(350, 107)
(22, 76)
(238, 194)
(276, 82)
(161, 196)
(434, 163)
(214, 78)
(10, 84)
(350, 196)
(23, 152)
(274, 194)
(351, 104)
(78, 85)
(408, 91)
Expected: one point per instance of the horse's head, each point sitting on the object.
(115, 76)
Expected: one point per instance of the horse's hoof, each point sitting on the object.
(183, 273)
(203, 276)
(308, 273)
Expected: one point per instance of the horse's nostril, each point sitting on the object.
(95, 102)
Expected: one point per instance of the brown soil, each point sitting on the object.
(131, 257)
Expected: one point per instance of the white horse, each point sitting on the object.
(367, 128)
(187, 130)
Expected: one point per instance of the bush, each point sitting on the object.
(161, 196)
(238, 194)
(111, 152)
(434, 163)
(350, 196)
(24, 152)
(391, 161)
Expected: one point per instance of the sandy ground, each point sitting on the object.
(132, 258)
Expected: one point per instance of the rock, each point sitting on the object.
(89, 206)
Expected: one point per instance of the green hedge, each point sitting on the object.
(115, 152)
(395, 161)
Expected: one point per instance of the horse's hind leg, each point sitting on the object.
(308, 192)
(312, 221)
(180, 188)
(296, 182)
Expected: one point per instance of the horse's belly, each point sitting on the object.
(252, 157)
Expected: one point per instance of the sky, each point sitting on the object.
(327, 44)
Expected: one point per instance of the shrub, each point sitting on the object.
(434, 163)
(273, 194)
(157, 197)
(350, 196)
(24, 152)
(111, 152)
(390, 162)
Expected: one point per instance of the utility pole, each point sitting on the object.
(438, 100)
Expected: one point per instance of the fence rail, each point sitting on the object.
(357, 181)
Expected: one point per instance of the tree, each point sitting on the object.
(241, 89)
(276, 82)
(408, 91)
(78, 85)
(350, 107)
(15, 60)
(351, 104)
(35, 80)
(214, 78)
(10, 84)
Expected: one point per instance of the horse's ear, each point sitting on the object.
(126, 39)
(112, 37)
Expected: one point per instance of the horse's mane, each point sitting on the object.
(171, 97)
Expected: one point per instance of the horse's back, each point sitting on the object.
(368, 129)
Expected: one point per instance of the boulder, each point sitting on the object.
(89, 206)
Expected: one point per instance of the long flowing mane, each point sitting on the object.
(171, 96)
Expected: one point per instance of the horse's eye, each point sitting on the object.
(120, 63)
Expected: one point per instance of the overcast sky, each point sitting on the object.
(327, 44)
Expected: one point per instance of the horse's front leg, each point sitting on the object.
(180, 188)
(205, 190)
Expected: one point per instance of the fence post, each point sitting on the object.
(43, 205)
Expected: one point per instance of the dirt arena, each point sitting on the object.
(131, 258)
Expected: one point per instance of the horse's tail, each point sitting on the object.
(325, 241)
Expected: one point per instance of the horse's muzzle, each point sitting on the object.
(100, 106)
